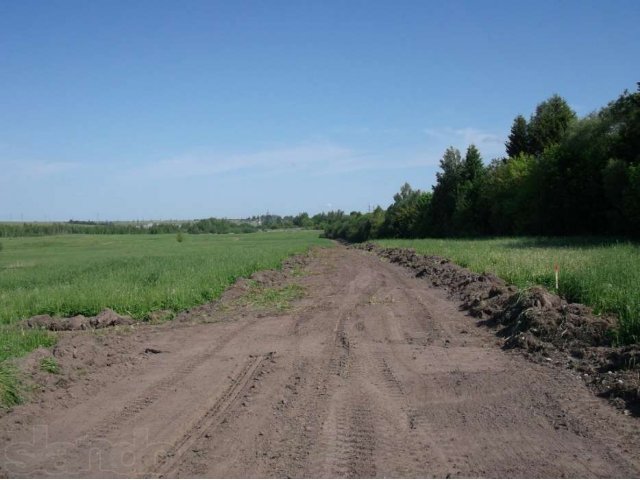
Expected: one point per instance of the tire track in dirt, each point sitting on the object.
(355, 441)
(156, 391)
(308, 410)
(214, 415)
(97, 434)
(442, 425)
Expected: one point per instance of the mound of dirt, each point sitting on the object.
(106, 318)
(535, 320)
(550, 321)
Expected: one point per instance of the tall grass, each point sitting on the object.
(132, 274)
(15, 342)
(602, 273)
(10, 387)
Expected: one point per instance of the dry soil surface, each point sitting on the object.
(372, 374)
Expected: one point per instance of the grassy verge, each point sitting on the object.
(270, 298)
(15, 342)
(10, 393)
(601, 273)
(132, 274)
(136, 275)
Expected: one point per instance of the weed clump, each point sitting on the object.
(9, 386)
(272, 298)
(49, 365)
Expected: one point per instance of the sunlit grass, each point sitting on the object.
(602, 273)
(132, 274)
(271, 298)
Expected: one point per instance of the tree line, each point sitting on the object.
(562, 175)
(206, 225)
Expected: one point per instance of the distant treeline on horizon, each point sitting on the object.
(207, 225)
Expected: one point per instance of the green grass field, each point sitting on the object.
(602, 273)
(132, 274)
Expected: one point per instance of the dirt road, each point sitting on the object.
(371, 374)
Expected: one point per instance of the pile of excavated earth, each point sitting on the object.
(541, 323)
(106, 318)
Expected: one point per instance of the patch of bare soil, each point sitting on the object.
(372, 374)
(537, 321)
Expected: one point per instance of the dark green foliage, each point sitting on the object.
(355, 227)
(218, 225)
(10, 394)
(507, 194)
(472, 166)
(549, 124)
(446, 192)
(302, 220)
(563, 176)
(623, 116)
(518, 138)
(207, 225)
(405, 216)
(470, 217)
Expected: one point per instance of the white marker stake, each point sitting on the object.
(556, 270)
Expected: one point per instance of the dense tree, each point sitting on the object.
(446, 192)
(472, 166)
(549, 123)
(563, 176)
(624, 132)
(518, 138)
(508, 193)
(302, 220)
(403, 215)
(469, 217)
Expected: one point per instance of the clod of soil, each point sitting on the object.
(535, 320)
(106, 318)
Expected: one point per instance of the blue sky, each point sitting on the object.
(157, 110)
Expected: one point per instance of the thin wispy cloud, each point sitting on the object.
(490, 144)
(208, 163)
(37, 168)
(308, 159)
(316, 158)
